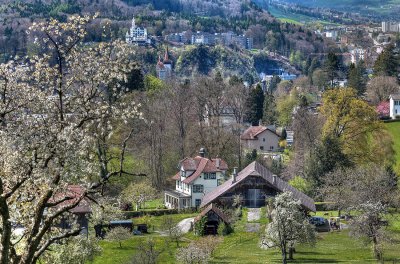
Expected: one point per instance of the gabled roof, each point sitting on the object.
(395, 96)
(73, 192)
(252, 132)
(216, 210)
(256, 169)
(199, 165)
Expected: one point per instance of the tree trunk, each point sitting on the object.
(284, 254)
(291, 251)
(377, 252)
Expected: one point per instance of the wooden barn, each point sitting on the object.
(255, 184)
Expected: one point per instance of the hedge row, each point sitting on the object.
(157, 212)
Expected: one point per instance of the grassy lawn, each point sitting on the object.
(155, 222)
(113, 254)
(243, 247)
(394, 130)
(153, 204)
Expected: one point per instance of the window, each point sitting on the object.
(219, 182)
(197, 202)
(263, 139)
(198, 188)
(210, 176)
(262, 147)
(271, 147)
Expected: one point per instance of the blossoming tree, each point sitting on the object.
(53, 107)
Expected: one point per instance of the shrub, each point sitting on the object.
(224, 229)
(199, 251)
(118, 234)
(238, 212)
(199, 226)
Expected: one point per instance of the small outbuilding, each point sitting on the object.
(214, 217)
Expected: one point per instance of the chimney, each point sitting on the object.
(234, 174)
(202, 152)
(274, 179)
(218, 161)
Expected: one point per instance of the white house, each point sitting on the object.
(394, 106)
(196, 177)
(137, 35)
(260, 138)
(358, 55)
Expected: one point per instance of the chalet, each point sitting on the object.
(196, 177)
(260, 138)
(255, 184)
(394, 106)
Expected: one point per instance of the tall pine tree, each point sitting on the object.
(357, 78)
(269, 114)
(332, 66)
(255, 105)
(386, 64)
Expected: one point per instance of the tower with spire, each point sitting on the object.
(137, 35)
(164, 66)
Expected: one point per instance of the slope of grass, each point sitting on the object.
(242, 247)
(394, 130)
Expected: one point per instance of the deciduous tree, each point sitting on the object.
(289, 226)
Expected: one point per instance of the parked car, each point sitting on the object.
(317, 220)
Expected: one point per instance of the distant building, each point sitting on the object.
(226, 39)
(164, 67)
(390, 26)
(260, 138)
(203, 38)
(137, 35)
(331, 34)
(358, 55)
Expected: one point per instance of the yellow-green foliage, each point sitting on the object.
(354, 122)
(285, 106)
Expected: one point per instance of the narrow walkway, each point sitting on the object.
(185, 225)
(253, 214)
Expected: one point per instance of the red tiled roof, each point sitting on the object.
(199, 165)
(74, 192)
(256, 169)
(252, 132)
(177, 176)
(216, 210)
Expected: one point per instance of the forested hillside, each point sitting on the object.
(161, 18)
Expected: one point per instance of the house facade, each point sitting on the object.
(260, 138)
(394, 103)
(196, 177)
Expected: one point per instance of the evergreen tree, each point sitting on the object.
(274, 83)
(386, 64)
(269, 114)
(255, 105)
(332, 66)
(315, 64)
(356, 78)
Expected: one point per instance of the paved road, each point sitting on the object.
(185, 224)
